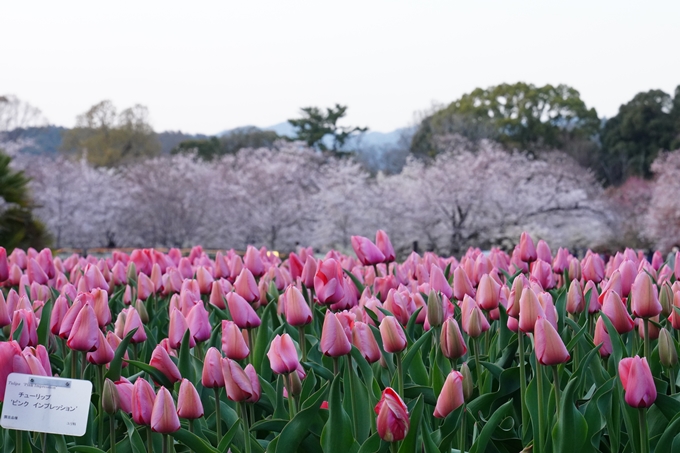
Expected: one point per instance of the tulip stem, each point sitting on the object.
(400, 375)
(83, 365)
(645, 324)
(355, 414)
(100, 383)
(218, 415)
(303, 342)
(672, 380)
(251, 345)
(462, 431)
(478, 367)
(112, 432)
(335, 366)
(74, 364)
(522, 382)
(149, 440)
(644, 435)
(556, 383)
(19, 441)
(43, 438)
(394, 447)
(541, 416)
(289, 389)
(246, 427)
(165, 444)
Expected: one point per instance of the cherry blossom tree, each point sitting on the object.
(663, 221)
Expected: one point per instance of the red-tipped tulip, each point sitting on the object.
(392, 422)
(637, 381)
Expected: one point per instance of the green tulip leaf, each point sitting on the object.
(192, 441)
(116, 364)
(336, 436)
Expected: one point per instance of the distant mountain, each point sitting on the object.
(367, 139)
(170, 139)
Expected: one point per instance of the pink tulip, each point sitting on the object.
(242, 312)
(212, 376)
(461, 284)
(367, 252)
(104, 352)
(309, 272)
(542, 272)
(527, 250)
(393, 422)
(382, 241)
(593, 268)
(561, 261)
(94, 278)
(205, 280)
(36, 273)
(644, 297)
(550, 350)
(100, 304)
(616, 311)
(329, 282)
(124, 388)
(602, 337)
(476, 323)
(233, 344)
(637, 381)
(334, 341)
(296, 308)
(393, 336)
(246, 287)
(164, 417)
(575, 301)
(282, 355)
(451, 396)
(4, 265)
(439, 283)
(8, 350)
(177, 329)
(189, 404)
(363, 339)
(160, 359)
(530, 310)
(142, 400)
(241, 386)
(488, 293)
(133, 321)
(253, 261)
(199, 323)
(217, 296)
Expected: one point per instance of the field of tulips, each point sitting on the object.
(494, 352)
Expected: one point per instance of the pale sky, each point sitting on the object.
(206, 66)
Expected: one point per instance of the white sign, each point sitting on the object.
(46, 404)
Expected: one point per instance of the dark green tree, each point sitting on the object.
(316, 124)
(229, 143)
(520, 116)
(632, 139)
(18, 227)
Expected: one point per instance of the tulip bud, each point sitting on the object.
(143, 398)
(645, 300)
(212, 369)
(527, 250)
(602, 337)
(668, 354)
(141, 309)
(575, 301)
(282, 355)
(233, 344)
(616, 311)
(363, 339)
(295, 384)
(666, 299)
(334, 341)
(110, 398)
(451, 340)
(550, 349)
(435, 309)
(468, 384)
